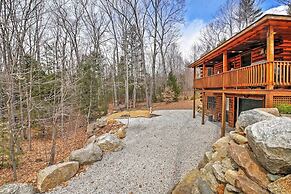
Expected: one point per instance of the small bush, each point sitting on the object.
(173, 84)
(284, 108)
(169, 95)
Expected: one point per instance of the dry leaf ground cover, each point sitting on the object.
(30, 162)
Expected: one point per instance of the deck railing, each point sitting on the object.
(282, 73)
(276, 73)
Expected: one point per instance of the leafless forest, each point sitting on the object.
(59, 58)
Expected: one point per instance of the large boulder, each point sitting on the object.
(17, 188)
(270, 141)
(89, 154)
(54, 175)
(250, 117)
(242, 157)
(273, 111)
(282, 185)
(109, 142)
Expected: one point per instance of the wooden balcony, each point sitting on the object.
(277, 73)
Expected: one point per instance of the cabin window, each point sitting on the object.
(210, 102)
(210, 71)
(246, 59)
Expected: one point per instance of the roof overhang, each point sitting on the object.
(265, 21)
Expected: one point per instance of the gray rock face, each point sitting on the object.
(17, 188)
(250, 117)
(109, 142)
(89, 154)
(270, 140)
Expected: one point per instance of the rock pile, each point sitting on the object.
(93, 127)
(255, 158)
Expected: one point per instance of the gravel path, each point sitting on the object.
(158, 152)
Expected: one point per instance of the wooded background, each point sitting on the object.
(60, 59)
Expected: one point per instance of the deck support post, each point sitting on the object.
(269, 100)
(223, 115)
(203, 108)
(194, 96)
(223, 106)
(194, 105)
(270, 58)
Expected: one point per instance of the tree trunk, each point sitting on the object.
(11, 116)
(29, 107)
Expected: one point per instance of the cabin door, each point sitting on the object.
(227, 110)
(248, 104)
(246, 59)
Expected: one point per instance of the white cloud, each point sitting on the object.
(190, 34)
(191, 31)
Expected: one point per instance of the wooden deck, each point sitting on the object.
(277, 73)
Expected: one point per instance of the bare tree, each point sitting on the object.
(227, 15)
(286, 2)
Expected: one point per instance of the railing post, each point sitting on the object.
(270, 75)
(224, 67)
(236, 78)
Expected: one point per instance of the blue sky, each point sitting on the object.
(206, 9)
(200, 12)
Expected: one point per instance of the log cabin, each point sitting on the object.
(250, 70)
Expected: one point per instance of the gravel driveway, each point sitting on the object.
(158, 152)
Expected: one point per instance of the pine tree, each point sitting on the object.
(172, 83)
(248, 12)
